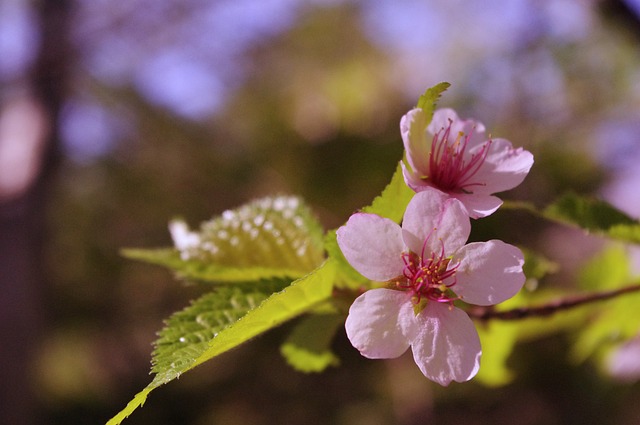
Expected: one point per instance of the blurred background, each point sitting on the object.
(117, 116)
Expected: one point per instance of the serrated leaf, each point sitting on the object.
(297, 298)
(430, 97)
(268, 237)
(391, 203)
(307, 349)
(187, 333)
(393, 200)
(594, 215)
(201, 271)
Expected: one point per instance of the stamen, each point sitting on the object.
(448, 169)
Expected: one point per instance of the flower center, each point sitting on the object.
(449, 168)
(425, 277)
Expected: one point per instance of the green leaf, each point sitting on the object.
(537, 266)
(611, 321)
(188, 332)
(609, 269)
(308, 347)
(207, 272)
(498, 341)
(391, 204)
(393, 200)
(298, 298)
(428, 100)
(595, 216)
(268, 237)
(592, 215)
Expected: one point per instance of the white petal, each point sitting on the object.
(373, 246)
(472, 128)
(381, 323)
(413, 128)
(447, 348)
(479, 205)
(435, 218)
(504, 167)
(489, 272)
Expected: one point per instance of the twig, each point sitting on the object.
(485, 313)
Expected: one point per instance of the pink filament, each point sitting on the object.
(448, 169)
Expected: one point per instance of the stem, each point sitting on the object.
(487, 313)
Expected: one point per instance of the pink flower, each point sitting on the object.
(427, 266)
(456, 158)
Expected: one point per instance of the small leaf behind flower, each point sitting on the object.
(428, 100)
(308, 347)
(265, 238)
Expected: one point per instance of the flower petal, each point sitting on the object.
(447, 348)
(413, 126)
(381, 323)
(474, 129)
(373, 246)
(479, 205)
(489, 272)
(432, 220)
(504, 167)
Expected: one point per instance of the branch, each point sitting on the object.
(487, 313)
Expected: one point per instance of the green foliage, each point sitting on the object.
(393, 200)
(391, 204)
(498, 340)
(614, 321)
(594, 215)
(308, 347)
(297, 298)
(187, 333)
(198, 270)
(537, 266)
(428, 100)
(269, 237)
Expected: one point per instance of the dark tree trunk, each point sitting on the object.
(22, 224)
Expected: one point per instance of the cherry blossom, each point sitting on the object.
(426, 267)
(454, 156)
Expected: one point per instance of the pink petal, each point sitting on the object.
(489, 272)
(373, 246)
(447, 347)
(412, 179)
(504, 167)
(479, 205)
(433, 217)
(413, 126)
(381, 323)
(472, 128)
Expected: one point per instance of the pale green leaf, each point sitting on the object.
(592, 215)
(393, 200)
(295, 299)
(187, 333)
(194, 269)
(308, 349)
(610, 269)
(428, 100)
(498, 341)
(268, 237)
